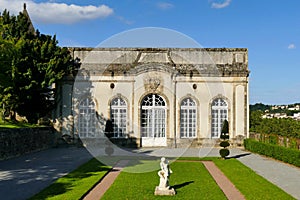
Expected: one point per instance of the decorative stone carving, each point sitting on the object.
(152, 83)
(164, 174)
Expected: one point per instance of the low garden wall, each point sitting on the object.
(15, 142)
(284, 141)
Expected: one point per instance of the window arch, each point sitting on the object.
(153, 116)
(87, 118)
(219, 113)
(118, 111)
(188, 118)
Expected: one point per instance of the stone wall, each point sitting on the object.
(15, 142)
(283, 141)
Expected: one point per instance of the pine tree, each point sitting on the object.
(30, 62)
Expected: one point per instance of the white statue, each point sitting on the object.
(164, 174)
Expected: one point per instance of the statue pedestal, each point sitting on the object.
(164, 191)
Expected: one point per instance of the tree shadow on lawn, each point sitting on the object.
(85, 173)
(53, 190)
(177, 186)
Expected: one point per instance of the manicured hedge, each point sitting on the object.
(284, 154)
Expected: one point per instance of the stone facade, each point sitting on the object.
(172, 97)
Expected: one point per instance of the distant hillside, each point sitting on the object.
(260, 106)
(289, 109)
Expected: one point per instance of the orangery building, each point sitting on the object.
(174, 97)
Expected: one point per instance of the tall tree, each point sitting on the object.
(32, 63)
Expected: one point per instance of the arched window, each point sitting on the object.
(153, 116)
(219, 112)
(87, 118)
(118, 110)
(188, 118)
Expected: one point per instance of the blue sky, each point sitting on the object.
(270, 29)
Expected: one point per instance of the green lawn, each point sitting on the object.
(10, 124)
(75, 184)
(248, 182)
(190, 180)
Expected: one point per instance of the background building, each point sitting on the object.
(156, 96)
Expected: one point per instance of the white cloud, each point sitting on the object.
(221, 5)
(292, 46)
(164, 5)
(56, 13)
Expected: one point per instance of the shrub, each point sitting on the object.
(224, 152)
(225, 137)
(273, 139)
(224, 144)
(293, 143)
(288, 155)
(225, 130)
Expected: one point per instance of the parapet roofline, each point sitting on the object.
(158, 49)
